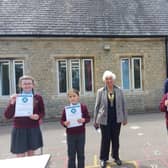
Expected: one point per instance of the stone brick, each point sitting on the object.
(40, 55)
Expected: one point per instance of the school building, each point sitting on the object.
(70, 43)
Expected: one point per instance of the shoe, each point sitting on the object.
(102, 164)
(118, 162)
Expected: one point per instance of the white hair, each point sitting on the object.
(108, 74)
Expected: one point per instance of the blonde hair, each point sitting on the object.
(108, 74)
(26, 77)
(71, 91)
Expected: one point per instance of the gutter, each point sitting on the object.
(79, 36)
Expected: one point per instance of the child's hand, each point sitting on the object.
(166, 102)
(81, 120)
(66, 123)
(13, 99)
(34, 117)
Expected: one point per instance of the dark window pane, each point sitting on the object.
(62, 76)
(75, 74)
(18, 74)
(137, 77)
(88, 75)
(4, 77)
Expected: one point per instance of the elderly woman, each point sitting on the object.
(109, 114)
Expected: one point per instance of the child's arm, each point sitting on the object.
(41, 110)
(85, 115)
(63, 120)
(164, 103)
(10, 110)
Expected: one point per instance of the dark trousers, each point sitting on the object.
(76, 146)
(110, 134)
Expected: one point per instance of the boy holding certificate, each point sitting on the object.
(74, 117)
(26, 109)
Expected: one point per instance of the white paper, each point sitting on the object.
(24, 105)
(73, 113)
(39, 161)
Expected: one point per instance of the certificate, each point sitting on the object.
(24, 105)
(73, 113)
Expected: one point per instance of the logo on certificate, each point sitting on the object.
(73, 110)
(25, 99)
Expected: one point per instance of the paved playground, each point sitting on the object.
(143, 143)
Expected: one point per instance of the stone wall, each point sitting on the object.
(40, 56)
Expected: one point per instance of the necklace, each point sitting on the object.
(111, 97)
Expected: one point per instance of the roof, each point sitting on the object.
(84, 17)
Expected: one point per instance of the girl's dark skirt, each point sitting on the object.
(25, 139)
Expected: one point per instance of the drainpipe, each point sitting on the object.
(166, 50)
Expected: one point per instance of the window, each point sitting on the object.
(10, 71)
(88, 84)
(75, 73)
(62, 69)
(131, 73)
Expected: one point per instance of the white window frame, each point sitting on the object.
(8, 63)
(14, 72)
(122, 73)
(131, 72)
(11, 74)
(57, 68)
(69, 75)
(83, 72)
(133, 80)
